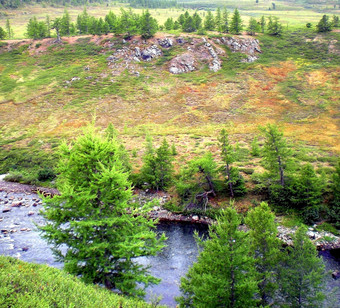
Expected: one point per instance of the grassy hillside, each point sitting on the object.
(32, 285)
(294, 83)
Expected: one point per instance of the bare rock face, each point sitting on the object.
(248, 46)
(200, 52)
(183, 63)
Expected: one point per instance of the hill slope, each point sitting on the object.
(32, 285)
(49, 91)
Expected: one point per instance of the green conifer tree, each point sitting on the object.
(225, 21)
(265, 247)
(253, 26)
(233, 178)
(263, 23)
(197, 21)
(128, 23)
(157, 169)
(65, 24)
(189, 25)
(274, 27)
(307, 193)
(169, 24)
(103, 233)
(218, 20)
(223, 275)
(255, 148)
(276, 153)
(3, 34)
(209, 23)
(148, 25)
(9, 29)
(335, 200)
(48, 26)
(236, 25)
(324, 24)
(197, 181)
(302, 276)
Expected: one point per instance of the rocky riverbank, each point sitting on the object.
(20, 206)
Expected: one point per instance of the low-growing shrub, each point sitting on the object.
(21, 177)
(46, 174)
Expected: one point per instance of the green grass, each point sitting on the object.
(26, 285)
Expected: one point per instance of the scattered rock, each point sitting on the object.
(180, 40)
(250, 59)
(25, 249)
(215, 65)
(336, 275)
(75, 79)
(6, 209)
(138, 52)
(195, 217)
(16, 204)
(165, 43)
(150, 53)
(30, 213)
(25, 229)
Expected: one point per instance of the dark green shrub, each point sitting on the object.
(311, 215)
(46, 174)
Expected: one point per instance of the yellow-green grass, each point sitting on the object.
(26, 285)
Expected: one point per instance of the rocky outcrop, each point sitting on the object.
(322, 240)
(183, 63)
(198, 53)
(248, 46)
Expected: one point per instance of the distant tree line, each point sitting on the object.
(127, 23)
(288, 185)
(223, 22)
(133, 3)
(152, 4)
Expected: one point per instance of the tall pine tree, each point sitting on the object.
(236, 25)
(265, 247)
(92, 218)
(223, 275)
(302, 276)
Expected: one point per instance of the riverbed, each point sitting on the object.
(19, 238)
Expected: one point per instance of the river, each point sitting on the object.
(19, 238)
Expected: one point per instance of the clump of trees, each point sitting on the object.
(127, 24)
(219, 22)
(93, 219)
(249, 269)
(286, 183)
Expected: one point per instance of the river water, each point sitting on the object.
(19, 238)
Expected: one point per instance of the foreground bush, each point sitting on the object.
(32, 285)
